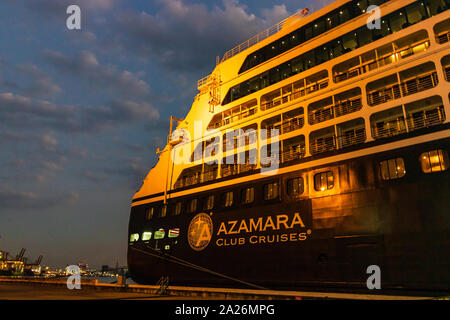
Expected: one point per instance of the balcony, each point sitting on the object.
(331, 111)
(405, 88)
(390, 128)
(323, 144)
(426, 118)
(291, 92)
(400, 49)
(443, 37)
(293, 153)
(447, 73)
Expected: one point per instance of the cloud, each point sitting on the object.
(187, 37)
(86, 66)
(20, 111)
(57, 8)
(41, 84)
(12, 199)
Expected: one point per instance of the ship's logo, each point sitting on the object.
(200, 231)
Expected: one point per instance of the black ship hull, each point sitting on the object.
(401, 225)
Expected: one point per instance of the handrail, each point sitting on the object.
(333, 142)
(443, 37)
(333, 111)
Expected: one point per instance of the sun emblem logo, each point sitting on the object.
(200, 231)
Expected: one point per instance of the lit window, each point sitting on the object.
(248, 195)
(146, 236)
(160, 234)
(208, 203)
(192, 206)
(173, 233)
(134, 237)
(271, 191)
(164, 211)
(434, 161)
(167, 247)
(324, 181)
(295, 186)
(392, 169)
(149, 213)
(177, 210)
(228, 199)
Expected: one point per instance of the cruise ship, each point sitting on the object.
(314, 150)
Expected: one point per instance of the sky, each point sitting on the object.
(83, 111)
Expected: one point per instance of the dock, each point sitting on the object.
(19, 288)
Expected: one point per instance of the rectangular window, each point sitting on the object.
(149, 213)
(228, 199)
(416, 13)
(323, 181)
(163, 211)
(173, 233)
(160, 234)
(208, 202)
(295, 186)
(392, 169)
(434, 161)
(177, 209)
(146, 236)
(271, 191)
(192, 206)
(248, 195)
(134, 237)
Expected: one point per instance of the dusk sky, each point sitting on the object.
(83, 111)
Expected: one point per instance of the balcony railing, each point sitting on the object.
(337, 110)
(420, 83)
(443, 37)
(447, 73)
(352, 137)
(322, 145)
(379, 62)
(294, 94)
(426, 118)
(417, 120)
(405, 88)
(293, 153)
(389, 128)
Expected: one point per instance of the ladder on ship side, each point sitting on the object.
(163, 283)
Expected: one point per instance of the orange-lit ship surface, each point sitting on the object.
(358, 174)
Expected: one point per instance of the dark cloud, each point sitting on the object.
(20, 111)
(187, 37)
(12, 199)
(57, 8)
(86, 66)
(41, 84)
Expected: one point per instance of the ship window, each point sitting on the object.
(163, 211)
(192, 206)
(415, 13)
(177, 209)
(149, 213)
(392, 169)
(146, 236)
(271, 191)
(228, 199)
(173, 233)
(248, 195)
(208, 202)
(434, 161)
(295, 186)
(134, 237)
(160, 234)
(324, 181)
(397, 22)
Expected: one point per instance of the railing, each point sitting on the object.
(293, 154)
(322, 145)
(294, 94)
(420, 83)
(447, 73)
(389, 128)
(379, 62)
(337, 110)
(246, 167)
(384, 95)
(426, 118)
(292, 124)
(417, 120)
(203, 81)
(443, 37)
(352, 137)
